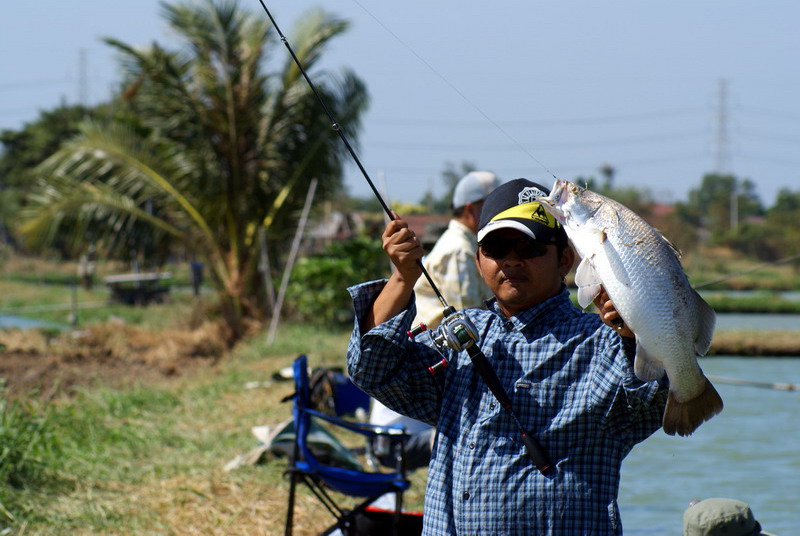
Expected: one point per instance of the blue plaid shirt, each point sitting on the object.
(571, 382)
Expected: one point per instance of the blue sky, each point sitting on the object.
(522, 88)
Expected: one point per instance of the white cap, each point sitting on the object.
(474, 187)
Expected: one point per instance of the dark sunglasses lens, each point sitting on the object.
(495, 249)
(528, 249)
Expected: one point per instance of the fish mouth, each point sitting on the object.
(553, 202)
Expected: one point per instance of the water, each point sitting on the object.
(748, 452)
(20, 322)
(739, 321)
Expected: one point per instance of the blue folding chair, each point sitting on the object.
(320, 476)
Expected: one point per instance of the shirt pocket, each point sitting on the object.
(540, 403)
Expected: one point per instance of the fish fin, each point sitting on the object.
(707, 319)
(672, 247)
(646, 367)
(683, 418)
(586, 295)
(588, 282)
(585, 275)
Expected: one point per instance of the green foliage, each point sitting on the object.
(764, 302)
(752, 240)
(29, 447)
(781, 223)
(23, 150)
(711, 205)
(318, 292)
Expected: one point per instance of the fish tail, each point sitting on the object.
(683, 418)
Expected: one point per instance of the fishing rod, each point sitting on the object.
(753, 383)
(338, 129)
(456, 331)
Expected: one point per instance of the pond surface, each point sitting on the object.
(749, 321)
(20, 322)
(749, 452)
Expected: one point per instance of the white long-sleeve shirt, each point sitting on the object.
(451, 265)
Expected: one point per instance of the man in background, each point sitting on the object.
(719, 516)
(451, 262)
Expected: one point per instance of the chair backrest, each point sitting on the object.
(332, 392)
(302, 399)
(344, 480)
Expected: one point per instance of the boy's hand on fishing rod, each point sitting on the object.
(403, 248)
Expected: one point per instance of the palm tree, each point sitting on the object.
(207, 146)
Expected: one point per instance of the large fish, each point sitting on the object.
(642, 274)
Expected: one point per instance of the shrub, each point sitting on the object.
(318, 291)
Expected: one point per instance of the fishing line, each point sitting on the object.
(458, 91)
(338, 129)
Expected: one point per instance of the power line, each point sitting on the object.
(645, 116)
(778, 114)
(571, 168)
(12, 86)
(754, 134)
(770, 159)
(421, 146)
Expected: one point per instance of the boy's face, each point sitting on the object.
(520, 283)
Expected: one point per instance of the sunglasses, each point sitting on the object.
(524, 248)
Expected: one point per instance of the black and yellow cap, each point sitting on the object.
(515, 205)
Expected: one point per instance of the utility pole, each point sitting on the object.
(723, 160)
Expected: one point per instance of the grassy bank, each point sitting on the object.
(759, 302)
(148, 459)
(756, 343)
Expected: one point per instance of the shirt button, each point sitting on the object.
(509, 325)
(466, 495)
(472, 445)
(492, 405)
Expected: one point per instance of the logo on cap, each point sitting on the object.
(540, 216)
(530, 194)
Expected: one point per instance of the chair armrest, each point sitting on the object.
(365, 429)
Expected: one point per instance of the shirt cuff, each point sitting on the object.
(396, 328)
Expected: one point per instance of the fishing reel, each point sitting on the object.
(455, 332)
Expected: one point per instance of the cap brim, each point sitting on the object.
(504, 224)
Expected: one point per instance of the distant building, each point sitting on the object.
(427, 227)
(339, 226)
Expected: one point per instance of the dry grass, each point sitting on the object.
(157, 463)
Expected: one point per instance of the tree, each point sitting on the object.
(781, 223)
(24, 149)
(450, 177)
(713, 203)
(212, 146)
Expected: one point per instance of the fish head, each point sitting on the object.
(570, 204)
(553, 203)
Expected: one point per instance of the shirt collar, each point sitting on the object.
(456, 225)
